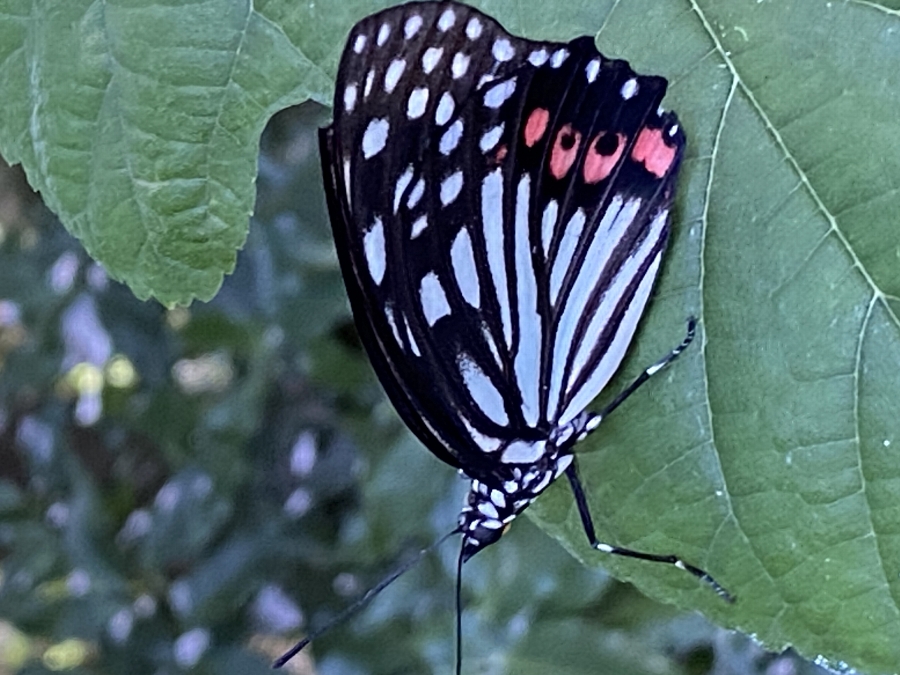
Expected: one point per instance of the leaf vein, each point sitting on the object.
(792, 160)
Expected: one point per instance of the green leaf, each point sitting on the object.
(139, 123)
(768, 453)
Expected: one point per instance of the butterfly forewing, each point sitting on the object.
(500, 207)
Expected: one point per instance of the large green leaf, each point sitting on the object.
(139, 122)
(770, 455)
(767, 454)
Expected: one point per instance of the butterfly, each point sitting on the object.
(500, 208)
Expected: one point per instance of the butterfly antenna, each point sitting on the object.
(361, 602)
(459, 566)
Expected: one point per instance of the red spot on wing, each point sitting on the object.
(536, 125)
(500, 154)
(597, 165)
(651, 150)
(565, 149)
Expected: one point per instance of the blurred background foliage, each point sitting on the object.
(190, 490)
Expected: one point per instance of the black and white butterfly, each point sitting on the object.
(500, 209)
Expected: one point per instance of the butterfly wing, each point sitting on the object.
(500, 208)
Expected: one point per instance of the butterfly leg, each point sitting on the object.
(588, 524)
(581, 499)
(646, 375)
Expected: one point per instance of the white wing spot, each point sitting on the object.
(416, 194)
(486, 443)
(389, 313)
(492, 220)
(451, 187)
(434, 299)
(393, 74)
(462, 258)
(373, 246)
(629, 89)
(499, 94)
(413, 24)
(485, 79)
(473, 28)
(350, 94)
(445, 109)
(359, 44)
(548, 223)
(418, 227)
(503, 50)
(418, 100)
(445, 23)
(460, 65)
(491, 138)
(411, 338)
(673, 130)
(538, 57)
(451, 137)
(483, 391)
(566, 251)
(559, 56)
(375, 137)
(489, 339)
(523, 452)
(347, 181)
(402, 183)
(528, 355)
(592, 70)
(383, 33)
(370, 78)
(431, 58)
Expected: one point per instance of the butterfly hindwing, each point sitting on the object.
(500, 208)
